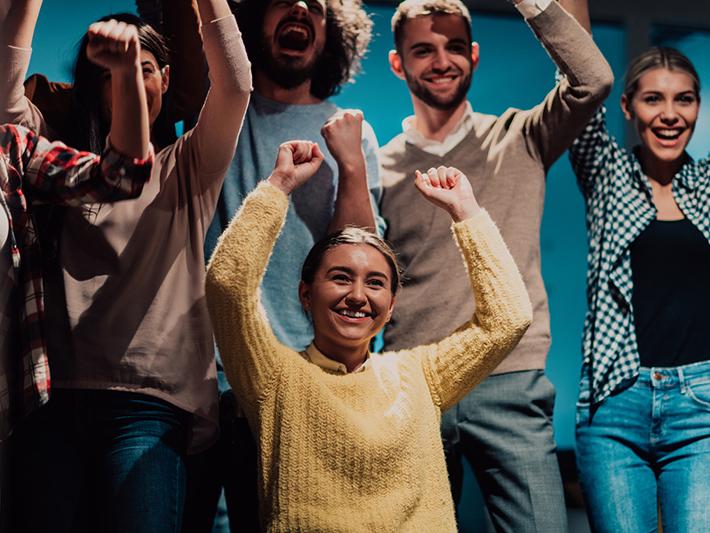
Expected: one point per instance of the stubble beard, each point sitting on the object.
(425, 95)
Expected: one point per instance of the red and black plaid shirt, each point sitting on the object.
(33, 171)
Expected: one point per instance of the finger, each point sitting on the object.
(284, 157)
(433, 176)
(452, 177)
(317, 153)
(441, 174)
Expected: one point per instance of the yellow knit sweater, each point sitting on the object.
(360, 451)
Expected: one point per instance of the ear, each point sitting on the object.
(626, 107)
(391, 309)
(475, 55)
(304, 294)
(165, 73)
(396, 64)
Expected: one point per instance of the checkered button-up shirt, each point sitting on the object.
(32, 171)
(619, 204)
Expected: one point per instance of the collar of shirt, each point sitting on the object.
(415, 137)
(315, 356)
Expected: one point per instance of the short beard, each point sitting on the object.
(285, 72)
(426, 96)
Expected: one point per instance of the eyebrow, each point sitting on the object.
(348, 270)
(147, 62)
(456, 40)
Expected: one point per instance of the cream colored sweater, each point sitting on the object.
(360, 451)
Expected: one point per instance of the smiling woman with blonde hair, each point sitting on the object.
(643, 416)
(348, 440)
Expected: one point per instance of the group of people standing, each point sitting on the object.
(108, 373)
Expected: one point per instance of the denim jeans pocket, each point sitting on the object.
(699, 391)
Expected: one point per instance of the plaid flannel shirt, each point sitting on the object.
(34, 170)
(619, 204)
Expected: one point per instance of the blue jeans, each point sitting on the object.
(646, 444)
(99, 461)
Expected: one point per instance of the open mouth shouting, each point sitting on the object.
(294, 36)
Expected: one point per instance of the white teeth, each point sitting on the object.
(352, 314)
(667, 134)
(441, 80)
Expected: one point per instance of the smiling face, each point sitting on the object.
(293, 38)
(437, 59)
(664, 109)
(350, 298)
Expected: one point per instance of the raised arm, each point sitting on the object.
(353, 206)
(250, 352)
(215, 136)
(16, 31)
(586, 80)
(114, 46)
(503, 312)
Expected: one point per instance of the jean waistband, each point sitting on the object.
(670, 377)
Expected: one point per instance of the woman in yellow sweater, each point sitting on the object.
(348, 440)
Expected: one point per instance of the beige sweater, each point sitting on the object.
(133, 272)
(506, 158)
(358, 451)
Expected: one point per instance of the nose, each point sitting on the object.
(669, 115)
(356, 297)
(441, 60)
(299, 8)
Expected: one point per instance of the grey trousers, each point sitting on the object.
(504, 429)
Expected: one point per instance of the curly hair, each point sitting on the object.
(348, 33)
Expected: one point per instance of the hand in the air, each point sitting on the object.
(343, 137)
(449, 189)
(113, 45)
(296, 162)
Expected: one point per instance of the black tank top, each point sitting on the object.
(670, 263)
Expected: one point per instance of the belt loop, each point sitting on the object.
(681, 378)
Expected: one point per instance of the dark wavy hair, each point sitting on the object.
(90, 126)
(348, 33)
(351, 235)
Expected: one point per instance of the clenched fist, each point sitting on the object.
(343, 137)
(113, 45)
(296, 162)
(449, 189)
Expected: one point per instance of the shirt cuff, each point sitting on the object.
(532, 8)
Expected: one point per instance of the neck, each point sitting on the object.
(660, 171)
(435, 123)
(300, 95)
(352, 357)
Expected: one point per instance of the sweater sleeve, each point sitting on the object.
(503, 313)
(15, 108)
(213, 140)
(586, 82)
(251, 354)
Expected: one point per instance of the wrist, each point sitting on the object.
(280, 182)
(464, 212)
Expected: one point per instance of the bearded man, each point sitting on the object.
(302, 51)
(504, 426)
